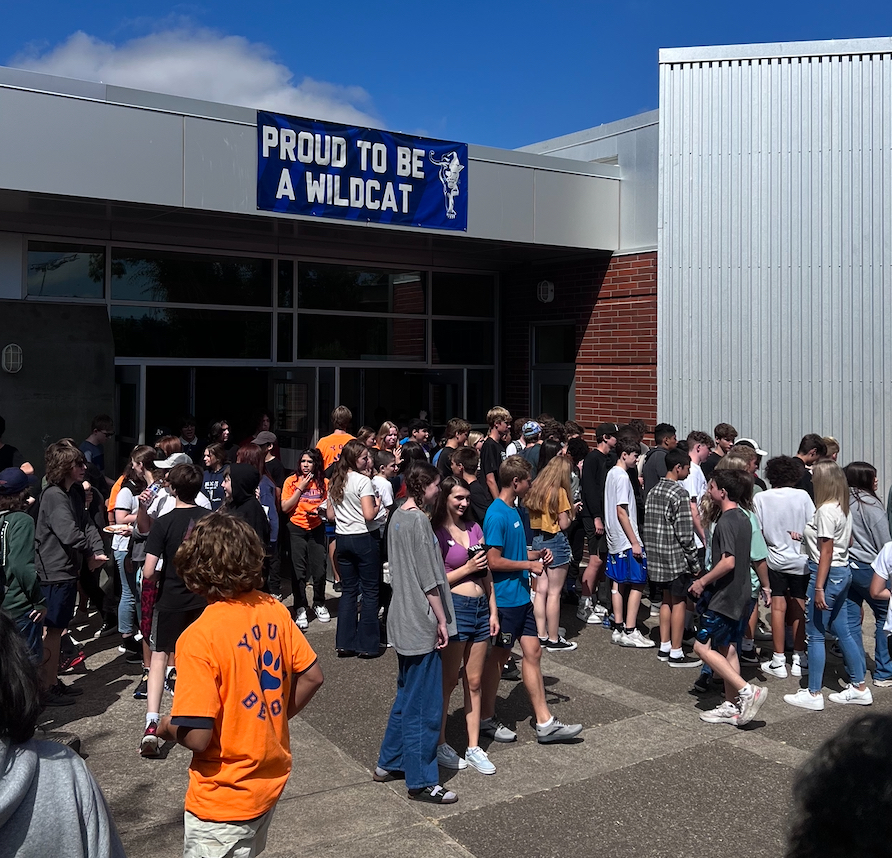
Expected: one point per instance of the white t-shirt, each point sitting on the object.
(829, 523)
(618, 492)
(695, 485)
(349, 520)
(384, 490)
(127, 502)
(781, 511)
(164, 502)
(883, 567)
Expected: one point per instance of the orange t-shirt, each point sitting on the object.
(331, 445)
(306, 514)
(235, 665)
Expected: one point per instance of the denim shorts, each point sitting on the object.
(471, 618)
(624, 568)
(557, 545)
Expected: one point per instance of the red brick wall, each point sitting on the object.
(613, 303)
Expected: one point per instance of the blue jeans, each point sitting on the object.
(359, 566)
(859, 593)
(33, 634)
(836, 620)
(413, 729)
(128, 607)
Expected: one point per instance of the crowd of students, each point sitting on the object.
(451, 554)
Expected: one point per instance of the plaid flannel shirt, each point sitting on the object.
(668, 533)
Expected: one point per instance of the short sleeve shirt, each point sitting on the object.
(544, 520)
(618, 492)
(331, 445)
(349, 519)
(732, 592)
(236, 664)
(167, 534)
(492, 454)
(829, 522)
(883, 567)
(306, 514)
(502, 528)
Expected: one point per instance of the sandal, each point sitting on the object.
(434, 795)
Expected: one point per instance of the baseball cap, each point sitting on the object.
(173, 459)
(605, 429)
(750, 443)
(265, 438)
(531, 428)
(12, 481)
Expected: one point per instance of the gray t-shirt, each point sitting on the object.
(732, 592)
(417, 568)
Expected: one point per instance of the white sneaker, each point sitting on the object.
(852, 695)
(804, 699)
(727, 713)
(800, 665)
(750, 704)
(476, 758)
(322, 614)
(448, 758)
(616, 636)
(636, 639)
(779, 670)
(300, 619)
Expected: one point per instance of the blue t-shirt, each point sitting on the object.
(93, 454)
(503, 529)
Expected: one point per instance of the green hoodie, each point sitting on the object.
(23, 593)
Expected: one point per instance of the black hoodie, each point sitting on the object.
(244, 504)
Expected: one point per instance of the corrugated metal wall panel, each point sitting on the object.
(775, 249)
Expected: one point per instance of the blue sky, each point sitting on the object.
(496, 74)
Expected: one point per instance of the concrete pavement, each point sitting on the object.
(646, 777)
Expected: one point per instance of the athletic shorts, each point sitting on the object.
(781, 582)
(515, 623)
(471, 618)
(597, 545)
(718, 628)
(167, 626)
(677, 587)
(624, 568)
(60, 597)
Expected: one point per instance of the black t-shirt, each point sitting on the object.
(480, 500)
(732, 592)
(167, 534)
(709, 465)
(276, 471)
(444, 461)
(492, 454)
(806, 484)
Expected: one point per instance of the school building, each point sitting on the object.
(724, 258)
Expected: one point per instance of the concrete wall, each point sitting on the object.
(67, 375)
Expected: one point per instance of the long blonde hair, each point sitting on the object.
(830, 484)
(544, 494)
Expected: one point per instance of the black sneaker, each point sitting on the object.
(54, 697)
(68, 690)
(130, 644)
(748, 656)
(69, 654)
(141, 692)
(170, 681)
(684, 661)
(662, 656)
(702, 683)
(109, 627)
(511, 671)
(560, 645)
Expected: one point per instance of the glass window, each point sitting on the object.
(463, 343)
(187, 278)
(182, 333)
(463, 294)
(285, 343)
(65, 270)
(360, 338)
(481, 394)
(339, 287)
(555, 344)
(286, 283)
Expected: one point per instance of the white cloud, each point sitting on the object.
(201, 63)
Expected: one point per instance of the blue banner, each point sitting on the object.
(337, 171)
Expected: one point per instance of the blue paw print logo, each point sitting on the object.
(268, 681)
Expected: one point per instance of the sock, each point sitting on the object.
(665, 646)
(381, 772)
(747, 645)
(152, 716)
(629, 630)
(167, 670)
(746, 691)
(778, 659)
(586, 601)
(547, 723)
(676, 653)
